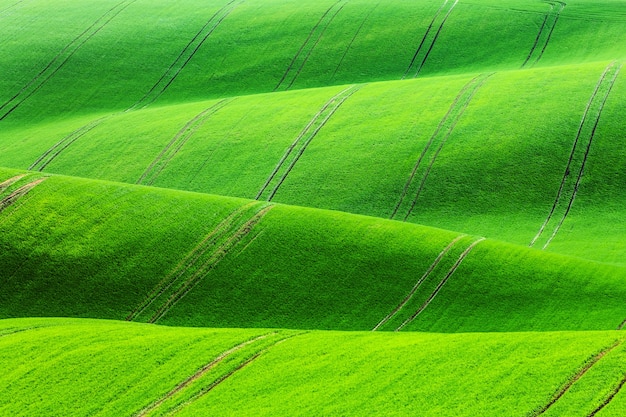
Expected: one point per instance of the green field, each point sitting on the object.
(335, 207)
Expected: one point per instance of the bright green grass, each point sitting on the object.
(502, 164)
(120, 368)
(252, 47)
(84, 248)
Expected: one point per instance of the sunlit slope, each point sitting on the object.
(129, 369)
(85, 248)
(536, 150)
(131, 53)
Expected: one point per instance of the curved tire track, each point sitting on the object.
(608, 399)
(551, 15)
(20, 192)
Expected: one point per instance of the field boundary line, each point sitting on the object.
(20, 192)
(444, 130)
(424, 276)
(178, 141)
(575, 147)
(574, 378)
(190, 259)
(303, 140)
(181, 61)
(442, 283)
(199, 373)
(432, 43)
(356, 34)
(239, 367)
(608, 399)
(306, 42)
(50, 70)
(215, 256)
(548, 15)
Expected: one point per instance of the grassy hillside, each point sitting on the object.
(129, 369)
(86, 248)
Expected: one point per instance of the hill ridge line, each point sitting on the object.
(50, 70)
(303, 140)
(441, 284)
(592, 102)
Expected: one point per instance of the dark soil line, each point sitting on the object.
(218, 253)
(571, 156)
(356, 34)
(15, 195)
(229, 374)
(342, 100)
(64, 143)
(6, 184)
(317, 41)
(430, 48)
(571, 381)
(455, 120)
(206, 368)
(585, 157)
(621, 325)
(419, 48)
(441, 284)
(67, 58)
(418, 283)
(543, 25)
(302, 134)
(556, 19)
(180, 57)
(193, 53)
(608, 399)
(443, 121)
(186, 132)
(297, 55)
(188, 261)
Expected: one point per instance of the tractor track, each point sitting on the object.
(180, 139)
(6, 9)
(418, 283)
(7, 183)
(198, 374)
(608, 399)
(551, 13)
(425, 37)
(577, 140)
(571, 381)
(303, 140)
(444, 130)
(181, 62)
(356, 34)
(20, 192)
(69, 50)
(306, 42)
(442, 283)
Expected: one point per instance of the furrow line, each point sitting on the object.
(198, 374)
(190, 259)
(36, 83)
(459, 108)
(309, 131)
(215, 257)
(304, 45)
(224, 377)
(568, 167)
(584, 161)
(430, 43)
(441, 284)
(608, 399)
(349, 92)
(317, 41)
(185, 55)
(418, 283)
(6, 9)
(178, 141)
(571, 381)
(440, 126)
(356, 34)
(20, 192)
